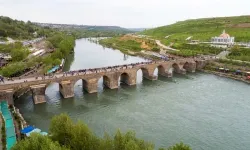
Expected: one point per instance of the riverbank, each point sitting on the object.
(226, 75)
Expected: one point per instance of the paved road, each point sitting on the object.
(223, 54)
(164, 46)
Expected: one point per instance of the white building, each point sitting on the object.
(224, 38)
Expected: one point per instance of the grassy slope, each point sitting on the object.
(203, 29)
(129, 43)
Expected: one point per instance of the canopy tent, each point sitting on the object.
(10, 132)
(9, 123)
(4, 104)
(53, 69)
(11, 141)
(44, 133)
(27, 129)
(36, 130)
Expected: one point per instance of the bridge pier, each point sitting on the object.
(191, 67)
(149, 75)
(7, 95)
(200, 64)
(90, 85)
(66, 89)
(38, 93)
(180, 71)
(183, 71)
(165, 73)
(129, 79)
(111, 84)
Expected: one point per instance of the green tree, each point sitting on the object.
(37, 142)
(179, 146)
(13, 68)
(61, 129)
(83, 138)
(19, 54)
(77, 136)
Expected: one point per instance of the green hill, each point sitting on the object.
(203, 29)
(19, 29)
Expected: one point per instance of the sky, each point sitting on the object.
(124, 13)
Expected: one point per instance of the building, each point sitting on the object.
(224, 38)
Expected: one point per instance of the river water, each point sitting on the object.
(205, 111)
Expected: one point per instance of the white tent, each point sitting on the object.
(36, 130)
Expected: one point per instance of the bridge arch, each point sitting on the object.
(80, 84)
(52, 91)
(142, 73)
(104, 82)
(186, 66)
(124, 78)
(145, 71)
(160, 70)
(190, 66)
(175, 68)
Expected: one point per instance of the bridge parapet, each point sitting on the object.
(111, 78)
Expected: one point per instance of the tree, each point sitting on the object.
(3, 33)
(19, 54)
(61, 129)
(178, 146)
(77, 136)
(13, 68)
(83, 138)
(37, 142)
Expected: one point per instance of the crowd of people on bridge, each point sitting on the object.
(86, 71)
(105, 69)
(83, 71)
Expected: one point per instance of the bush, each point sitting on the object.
(76, 136)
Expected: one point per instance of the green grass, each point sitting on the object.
(202, 29)
(123, 45)
(193, 50)
(240, 54)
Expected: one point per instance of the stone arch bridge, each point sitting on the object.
(111, 78)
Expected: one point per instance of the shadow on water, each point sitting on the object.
(68, 62)
(67, 103)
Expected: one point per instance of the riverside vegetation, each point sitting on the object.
(59, 42)
(66, 135)
(202, 30)
(128, 43)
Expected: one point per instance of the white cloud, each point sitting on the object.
(127, 13)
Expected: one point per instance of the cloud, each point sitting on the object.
(126, 13)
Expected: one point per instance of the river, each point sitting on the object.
(205, 111)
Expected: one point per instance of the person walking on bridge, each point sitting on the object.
(1, 78)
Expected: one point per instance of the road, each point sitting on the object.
(223, 54)
(164, 46)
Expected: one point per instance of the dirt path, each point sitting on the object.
(164, 46)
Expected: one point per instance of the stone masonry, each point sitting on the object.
(110, 79)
